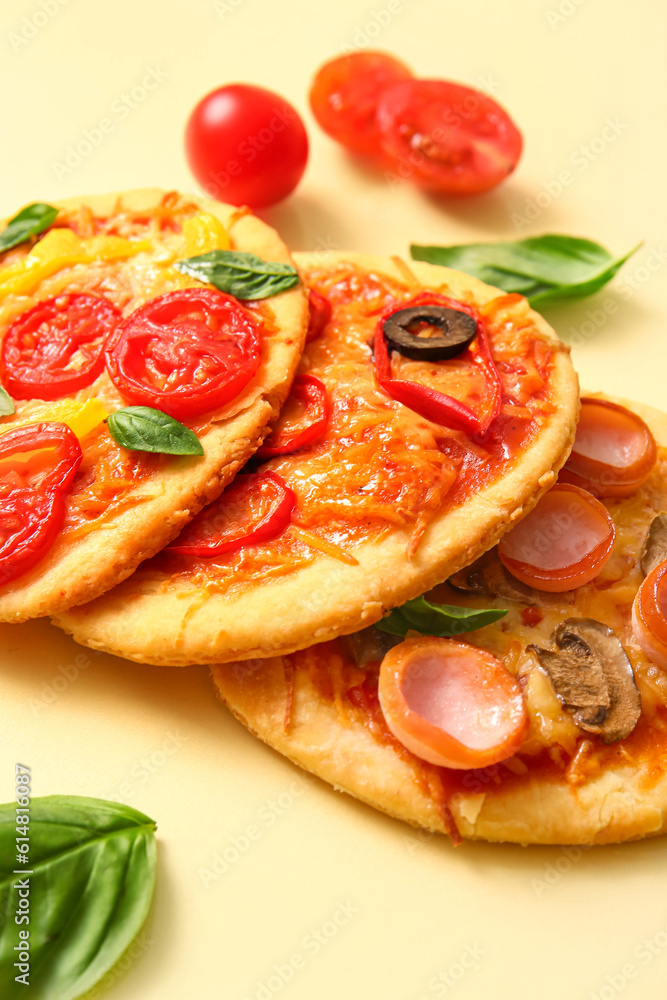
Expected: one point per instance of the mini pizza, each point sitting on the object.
(429, 413)
(133, 386)
(546, 725)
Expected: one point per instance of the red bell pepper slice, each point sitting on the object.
(37, 467)
(428, 402)
(254, 509)
(293, 435)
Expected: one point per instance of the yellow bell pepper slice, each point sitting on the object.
(204, 232)
(62, 248)
(81, 418)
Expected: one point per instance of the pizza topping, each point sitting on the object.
(450, 703)
(81, 418)
(6, 403)
(30, 221)
(487, 577)
(593, 678)
(204, 232)
(243, 275)
(430, 403)
(563, 543)
(56, 347)
(412, 332)
(369, 645)
(420, 615)
(649, 615)
(320, 314)
(255, 508)
(613, 451)
(186, 352)
(655, 546)
(303, 418)
(37, 466)
(141, 428)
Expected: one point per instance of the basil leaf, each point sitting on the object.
(437, 619)
(93, 873)
(30, 220)
(546, 269)
(242, 275)
(141, 428)
(6, 403)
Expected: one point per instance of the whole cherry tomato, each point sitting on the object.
(38, 463)
(345, 93)
(57, 347)
(446, 137)
(185, 352)
(246, 145)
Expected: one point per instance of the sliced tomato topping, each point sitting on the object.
(37, 466)
(563, 543)
(450, 703)
(320, 314)
(613, 451)
(649, 615)
(186, 352)
(428, 402)
(255, 508)
(56, 347)
(303, 418)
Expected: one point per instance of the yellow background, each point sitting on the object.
(400, 916)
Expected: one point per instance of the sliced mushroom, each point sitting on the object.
(655, 546)
(593, 678)
(488, 577)
(369, 644)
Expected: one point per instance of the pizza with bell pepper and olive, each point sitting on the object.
(523, 700)
(146, 341)
(429, 413)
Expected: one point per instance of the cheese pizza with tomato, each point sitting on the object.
(133, 384)
(429, 413)
(524, 700)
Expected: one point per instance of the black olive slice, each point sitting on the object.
(458, 329)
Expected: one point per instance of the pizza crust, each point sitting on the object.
(175, 626)
(623, 803)
(80, 571)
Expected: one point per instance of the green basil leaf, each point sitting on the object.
(437, 619)
(242, 275)
(546, 269)
(30, 220)
(6, 403)
(141, 428)
(93, 874)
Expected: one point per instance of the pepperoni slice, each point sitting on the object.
(37, 467)
(613, 452)
(56, 347)
(563, 543)
(255, 508)
(649, 615)
(450, 703)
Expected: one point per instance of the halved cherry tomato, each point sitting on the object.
(185, 352)
(450, 703)
(38, 463)
(57, 347)
(255, 508)
(446, 137)
(613, 452)
(320, 314)
(345, 93)
(649, 615)
(563, 543)
(303, 427)
(434, 405)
